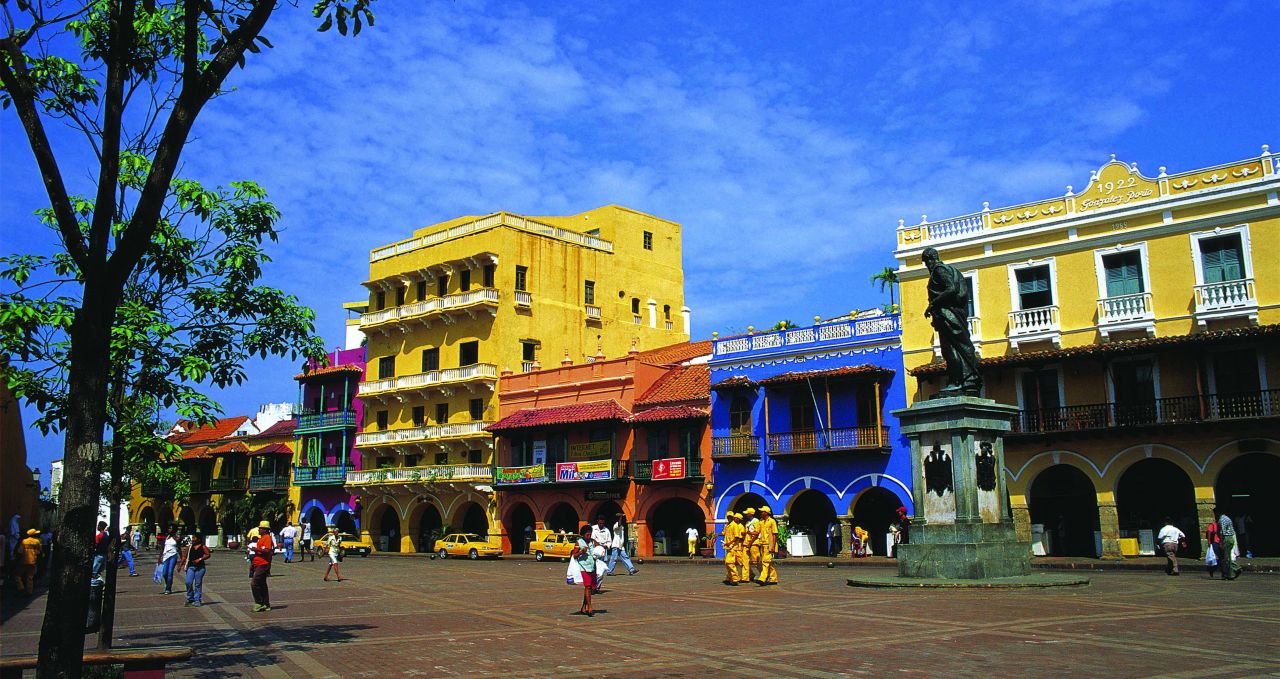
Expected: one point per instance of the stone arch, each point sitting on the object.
(812, 512)
(1245, 490)
(517, 514)
(471, 517)
(563, 516)
(345, 520)
(1121, 462)
(186, 519)
(674, 515)
(875, 508)
(1150, 489)
(426, 524)
(387, 526)
(1063, 499)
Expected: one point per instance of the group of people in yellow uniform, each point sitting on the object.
(749, 547)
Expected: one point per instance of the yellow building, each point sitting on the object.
(461, 302)
(1136, 324)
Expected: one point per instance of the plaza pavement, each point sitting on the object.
(417, 617)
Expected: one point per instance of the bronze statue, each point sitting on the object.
(949, 309)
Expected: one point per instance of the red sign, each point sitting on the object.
(670, 468)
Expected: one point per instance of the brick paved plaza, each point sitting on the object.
(415, 617)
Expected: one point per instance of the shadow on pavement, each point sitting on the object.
(217, 650)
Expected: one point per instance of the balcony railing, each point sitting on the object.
(838, 331)
(524, 298)
(1125, 308)
(737, 445)
(427, 433)
(1033, 321)
(269, 481)
(1226, 299)
(239, 483)
(642, 471)
(430, 379)
(337, 418)
(821, 440)
(457, 300)
(1172, 410)
(471, 473)
(592, 311)
(317, 476)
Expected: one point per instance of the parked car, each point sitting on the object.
(355, 545)
(550, 544)
(469, 545)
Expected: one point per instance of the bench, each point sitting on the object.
(139, 663)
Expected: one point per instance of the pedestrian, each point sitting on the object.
(734, 533)
(617, 548)
(529, 535)
(135, 537)
(101, 546)
(691, 536)
(263, 551)
(197, 555)
(126, 551)
(15, 534)
(768, 547)
(897, 539)
(833, 538)
(332, 544)
(859, 546)
(1212, 551)
(169, 558)
(751, 543)
(306, 542)
(601, 538)
(1227, 559)
(287, 535)
(1171, 538)
(904, 526)
(582, 553)
(27, 556)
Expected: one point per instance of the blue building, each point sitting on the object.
(800, 421)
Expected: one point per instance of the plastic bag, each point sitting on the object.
(574, 575)
(601, 567)
(159, 575)
(1211, 556)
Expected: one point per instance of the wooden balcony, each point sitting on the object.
(336, 419)
(735, 446)
(230, 484)
(1163, 411)
(642, 472)
(269, 481)
(828, 440)
(324, 475)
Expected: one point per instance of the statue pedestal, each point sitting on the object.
(962, 534)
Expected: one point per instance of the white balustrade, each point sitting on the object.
(526, 366)
(376, 386)
(1237, 294)
(425, 433)
(733, 346)
(381, 316)
(975, 328)
(832, 331)
(524, 298)
(422, 474)
(872, 326)
(955, 227)
(593, 311)
(1031, 321)
(1125, 308)
(766, 341)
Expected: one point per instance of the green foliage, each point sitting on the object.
(784, 325)
(334, 11)
(887, 277)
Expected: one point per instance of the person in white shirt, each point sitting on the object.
(601, 538)
(618, 548)
(287, 535)
(1170, 538)
(169, 557)
(692, 536)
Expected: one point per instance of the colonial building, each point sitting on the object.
(626, 435)
(329, 416)
(801, 423)
(461, 300)
(1135, 324)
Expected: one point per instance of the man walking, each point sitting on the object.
(28, 555)
(287, 535)
(126, 551)
(1227, 531)
(768, 547)
(601, 537)
(618, 548)
(1170, 538)
(101, 545)
(263, 550)
(733, 534)
(691, 535)
(751, 543)
(306, 543)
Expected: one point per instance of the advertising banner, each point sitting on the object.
(590, 451)
(670, 468)
(540, 452)
(595, 470)
(512, 475)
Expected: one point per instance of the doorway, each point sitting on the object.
(1065, 502)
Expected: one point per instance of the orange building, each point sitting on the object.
(625, 435)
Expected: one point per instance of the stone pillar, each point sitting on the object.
(1022, 521)
(687, 316)
(846, 533)
(653, 313)
(1204, 517)
(1109, 524)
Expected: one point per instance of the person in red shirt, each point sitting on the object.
(262, 550)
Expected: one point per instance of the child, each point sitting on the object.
(582, 552)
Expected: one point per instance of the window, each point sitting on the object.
(410, 460)
(648, 240)
(474, 456)
(689, 440)
(490, 271)
(657, 442)
(400, 293)
(589, 292)
(442, 285)
(635, 305)
(385, 462)
(442, 458)
(969, 282)
(419, 416)
(529, 351)
(379, 301)
(1041, 400)
(468, 353)
(386, 367)
(522, 275)
(740, 416)
(464, 282)
(1034, 289)
(1122, 273)
(1236, 372)
(430, 359)
(421, 291)
(476, 407)
(666, 311)
(1134, 384)
(803, 415)
(1222, 258)
(381, 418)
(317, 405)
(442, 413)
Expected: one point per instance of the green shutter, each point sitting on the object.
(1222, 259)
(1123, 273)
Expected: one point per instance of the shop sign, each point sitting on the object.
(594, 470)
(515, 475)
(669, 468)
(603, 495)
(590, 451)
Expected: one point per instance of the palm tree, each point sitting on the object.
(887, 277)
(784, 325)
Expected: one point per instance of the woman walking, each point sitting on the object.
(169, 558)
(197, 555)
(587, 561)
(332, 542)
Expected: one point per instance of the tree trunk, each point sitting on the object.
(62, 633)
(113, 572)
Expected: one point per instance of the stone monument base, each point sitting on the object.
(1035, 580)
(964, 550)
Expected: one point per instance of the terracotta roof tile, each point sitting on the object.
(219, 429)
(230, 447)
(676, 353)
(1112, 348)
(195, 453)
(329, 370)
(865, 369)
(594, 411)
(281, 428)
(685, 383)
(734, 381)
(665, 413)
(273, 449)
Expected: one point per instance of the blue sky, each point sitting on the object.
(788, 139)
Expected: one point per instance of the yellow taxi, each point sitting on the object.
(469, 545)
(550, 544)
(353, 544)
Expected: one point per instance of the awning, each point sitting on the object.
(668, 413)
(595, 411)
(864, 370)
(273, 449)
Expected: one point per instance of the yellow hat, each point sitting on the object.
(765, 510)
(749, 511)
(735, 515)
(265, 524)
(32, 531)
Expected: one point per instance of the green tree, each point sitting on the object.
(784, 325)
(887, 277)
(131, 78)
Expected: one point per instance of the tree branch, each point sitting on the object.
(104, 207)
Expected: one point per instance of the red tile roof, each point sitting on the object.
(195, 453)
(1113, 348)
(594, 411)
(281, 428)
(676, 353)
(273, 449)
(230, 447)
(666, 413)
(864, 370)
(219, 429)
(685, 383)
(734, 381)
(329, 370)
